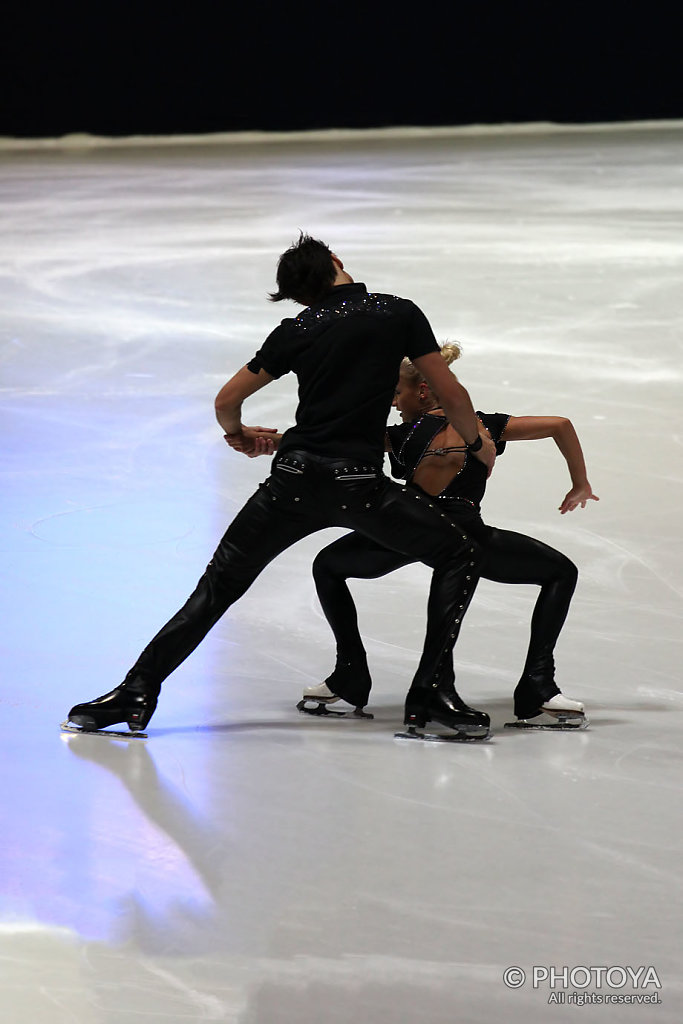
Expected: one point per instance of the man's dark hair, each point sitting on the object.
(305, 272)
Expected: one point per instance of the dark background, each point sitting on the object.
(209, 67)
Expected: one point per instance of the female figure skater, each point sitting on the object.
(431, 456)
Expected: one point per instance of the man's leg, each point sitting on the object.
(267, 525)
(413, 525)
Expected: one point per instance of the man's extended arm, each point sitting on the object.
(456, 403)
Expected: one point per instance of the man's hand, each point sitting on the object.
(579, 495)
(254, 441)
(487, 452)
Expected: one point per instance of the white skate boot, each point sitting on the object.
(321, 696)
(569, 714)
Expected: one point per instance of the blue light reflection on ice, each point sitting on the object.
(145, 844)
(123, 854)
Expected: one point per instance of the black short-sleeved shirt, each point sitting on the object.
(346, 352)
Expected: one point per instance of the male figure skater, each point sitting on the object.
(346, 348)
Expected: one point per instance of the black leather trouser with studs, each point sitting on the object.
(305, 493)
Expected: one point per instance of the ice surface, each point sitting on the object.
(246, 863)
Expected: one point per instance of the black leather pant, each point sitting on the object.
(303, 494)
(507, 558)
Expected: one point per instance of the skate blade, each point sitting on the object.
(118, 734)
(321, 710)
(435, 737)
(568, 722)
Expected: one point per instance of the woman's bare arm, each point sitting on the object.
(533, 428)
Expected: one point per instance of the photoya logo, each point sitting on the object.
(584, 977)
(595, 977)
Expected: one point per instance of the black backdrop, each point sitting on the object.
(207, 67)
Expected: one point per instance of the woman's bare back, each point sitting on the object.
(442, 462)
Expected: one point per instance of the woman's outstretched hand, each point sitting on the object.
(578, 495)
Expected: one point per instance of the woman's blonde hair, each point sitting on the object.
(450, 350)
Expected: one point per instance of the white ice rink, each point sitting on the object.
(247, 864)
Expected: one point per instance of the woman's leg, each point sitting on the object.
(514, 558)
(356, 557)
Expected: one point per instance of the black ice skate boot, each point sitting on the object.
(133, 702)
(348, 682)
(442, 705)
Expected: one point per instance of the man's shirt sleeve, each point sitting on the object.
(274, 354)
(421, 340)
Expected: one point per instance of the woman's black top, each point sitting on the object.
(461, 498)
